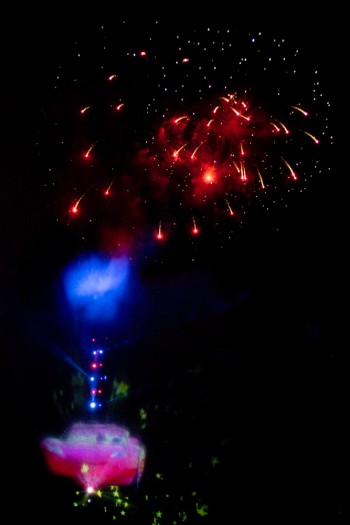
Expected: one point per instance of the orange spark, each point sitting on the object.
(74, 208)
(229, 207)
(261, 180)
(181, 118)
(87, 154)
(236, 166)
(176, 153)
(275, 126)
(290, 169)
(195, 230)
(82, 111)
(316, 141)
(111, 77)
(284, 127)
(160, 234)
(243, 172)
(232, 96)
(119, 107)
(107, 191)
(239, 114)
(305, 113)
(235, 111)
(195, 151)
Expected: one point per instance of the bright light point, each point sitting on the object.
(90, 490)
(159, 234)
(93, 405)
(209, 178)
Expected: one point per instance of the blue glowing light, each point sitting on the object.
(95, 285)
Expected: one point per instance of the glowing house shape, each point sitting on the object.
(96, 455)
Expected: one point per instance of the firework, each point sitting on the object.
(180, 133)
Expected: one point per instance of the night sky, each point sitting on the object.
(228, 339)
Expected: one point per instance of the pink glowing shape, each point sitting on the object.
(96, 455)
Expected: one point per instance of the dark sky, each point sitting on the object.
(234, 347)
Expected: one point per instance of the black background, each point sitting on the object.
(265, 376)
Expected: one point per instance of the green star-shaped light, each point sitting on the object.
(214, 461)
(203, 510)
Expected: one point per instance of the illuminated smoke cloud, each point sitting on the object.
(94, 286)
(96, 455)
